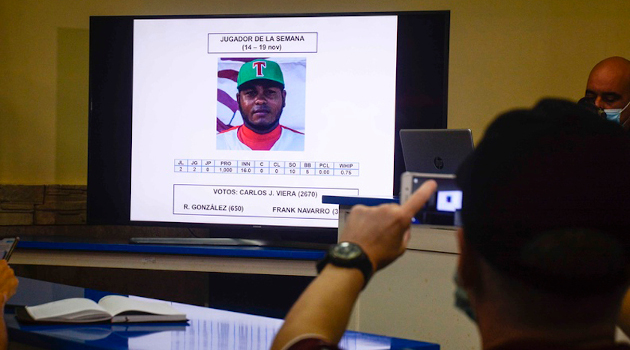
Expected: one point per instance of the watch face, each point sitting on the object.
(346, 251)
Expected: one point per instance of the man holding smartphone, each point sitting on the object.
(544, 247)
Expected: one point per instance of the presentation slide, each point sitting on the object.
(251, 121)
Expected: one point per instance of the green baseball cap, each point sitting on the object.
(260, 69)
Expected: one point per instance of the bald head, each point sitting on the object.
(608, 86)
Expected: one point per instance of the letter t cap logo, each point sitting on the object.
(258, 66)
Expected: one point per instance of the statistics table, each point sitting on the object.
(274, 167)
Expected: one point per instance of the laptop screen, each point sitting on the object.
(435, 150)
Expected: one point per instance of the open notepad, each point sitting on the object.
(112, 308)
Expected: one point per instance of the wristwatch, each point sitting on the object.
(350, 255)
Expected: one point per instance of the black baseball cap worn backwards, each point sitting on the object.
(546, 198)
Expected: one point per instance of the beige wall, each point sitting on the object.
(503, 54)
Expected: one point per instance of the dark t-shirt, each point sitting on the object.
(313, 344)
(318, 344)
(545, 346)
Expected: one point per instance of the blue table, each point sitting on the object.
(207, 329)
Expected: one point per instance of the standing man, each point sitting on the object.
(608, 88)
(544, 248)
(261, 98)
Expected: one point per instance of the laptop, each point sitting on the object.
(434, 151)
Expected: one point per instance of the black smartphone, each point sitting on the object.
(444, 206)
(7, 245)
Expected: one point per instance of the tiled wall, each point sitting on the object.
(42, 204)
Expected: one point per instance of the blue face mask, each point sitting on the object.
(462, 301)
(614, 114)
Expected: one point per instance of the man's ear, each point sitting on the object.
(468, 264)
(284, 97)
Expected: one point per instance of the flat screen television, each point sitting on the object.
(162, 102)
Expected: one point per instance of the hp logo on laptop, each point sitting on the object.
(438, 162)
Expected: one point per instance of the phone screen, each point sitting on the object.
(444, 206)
(6, 247)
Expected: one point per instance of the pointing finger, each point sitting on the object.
(419, 198)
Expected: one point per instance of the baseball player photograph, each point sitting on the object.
(261, 98)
